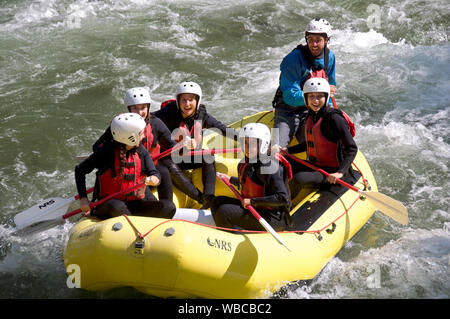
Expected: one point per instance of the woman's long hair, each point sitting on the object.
(122, 157)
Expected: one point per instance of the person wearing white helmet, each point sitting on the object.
(263, 184)
(186, 117)
(138, 101)
(329, 142)
(157, 137)
(314, 59)
(122, 163)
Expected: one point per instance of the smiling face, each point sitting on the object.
(316, 43)
(188, 104)
(316, 100)
(251, 147)
(141, 109)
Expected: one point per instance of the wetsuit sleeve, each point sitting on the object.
(107, 136)
(349, 148)
(331, 71)
(275, 185)
(148, 168)
(163, 135)
(297, 148)
(212, 122)
(94, 161)
(234, 181)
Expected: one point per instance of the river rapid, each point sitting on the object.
(65, 65)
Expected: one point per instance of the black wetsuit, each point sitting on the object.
(334, 128)
(163, 136)
(172, 117)
(273, 206)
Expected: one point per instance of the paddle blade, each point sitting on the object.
(38, 227)
(48, 209)
(388, 206)
(269, 228)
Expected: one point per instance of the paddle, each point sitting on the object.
(101, 201)
(385, 204)
(52, 209)
(60, 214)
(213, 151)
(80, 158)
(334, 102)
(45, 210)
(261, 220)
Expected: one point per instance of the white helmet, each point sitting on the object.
(138, 95)
(189, 87)
(318, 26)
(316, 85)
(256, 130)
(125, 128)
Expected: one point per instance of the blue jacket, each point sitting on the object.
(294, 70)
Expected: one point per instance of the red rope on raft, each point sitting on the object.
(141, 236)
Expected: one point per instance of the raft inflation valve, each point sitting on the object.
(117, 226)
(169, 232)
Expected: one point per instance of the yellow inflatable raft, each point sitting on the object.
(189, 257)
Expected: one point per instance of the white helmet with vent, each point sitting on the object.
(256, 130)
(316, 85)
(318, 26)
(189, 87)
(138, 95)
(126, 127)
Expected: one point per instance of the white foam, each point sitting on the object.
(403, 268)
(350, 41)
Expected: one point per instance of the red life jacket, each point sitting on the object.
(315, 70)
(195, 132)
(320, 151)
(316, 74)
(163, 104)
(150, 142)
(131, 176)
(253, 189)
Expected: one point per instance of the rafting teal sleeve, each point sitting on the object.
(294, 70)
(331, 70)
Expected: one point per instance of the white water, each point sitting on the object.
(66, 64)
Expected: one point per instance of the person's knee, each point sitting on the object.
(111, 208)
(168, 208)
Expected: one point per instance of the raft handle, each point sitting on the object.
(333, 228)
(318, 236)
